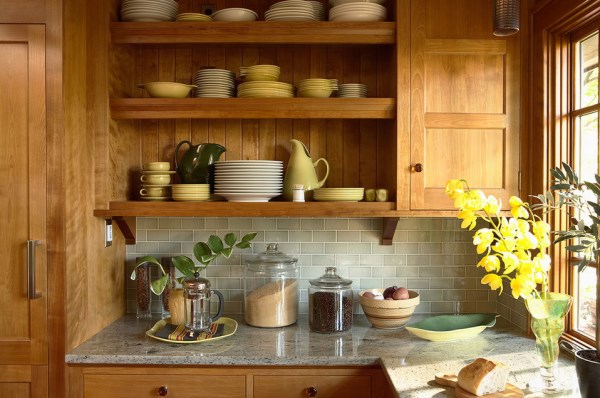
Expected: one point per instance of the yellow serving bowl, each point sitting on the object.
(167, 89)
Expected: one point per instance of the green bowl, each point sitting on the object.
(451, 327)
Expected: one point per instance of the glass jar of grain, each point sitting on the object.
(271, 289)
(330, 303)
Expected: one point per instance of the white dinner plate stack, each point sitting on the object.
(248, 180)
(296, 10)
(265, 89)
(352, 90)
(358, 11)
(338, 194)
(148, 10)
(214, 83)
(193, 17)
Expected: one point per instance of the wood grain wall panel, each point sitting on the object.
(166, 128)
(16, 11)
(199, 131)
(335, 152)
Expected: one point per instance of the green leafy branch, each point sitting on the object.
(204, 252)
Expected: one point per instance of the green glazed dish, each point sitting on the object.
(451, 327)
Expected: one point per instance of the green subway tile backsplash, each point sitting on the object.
(432, 256)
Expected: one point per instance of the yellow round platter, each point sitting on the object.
(230, 327)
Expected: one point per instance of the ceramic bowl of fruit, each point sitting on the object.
(389, 308)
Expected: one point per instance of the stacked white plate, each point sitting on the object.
(265, 89)
(317, 88)
(352, 90)
(338, 194)
(358, 11)
(295, 10)
(260, 73)
(193, 17)
(148, 10)
(190, 192)
(334, 3)
(214, 83)
(248, 180)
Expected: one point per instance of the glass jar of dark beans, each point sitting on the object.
(330, 303)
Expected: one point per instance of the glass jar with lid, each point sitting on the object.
(330, 303)
(271, 289)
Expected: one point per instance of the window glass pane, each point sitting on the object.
(587, 151)
(585, 301)
(588, 71)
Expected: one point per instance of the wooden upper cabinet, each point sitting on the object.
(23, 11)
(465, 103)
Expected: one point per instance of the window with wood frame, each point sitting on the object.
(565, 38)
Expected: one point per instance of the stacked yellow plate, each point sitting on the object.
(192, 17)
(317, 88)
(338, 194)
(265, 90)
(260, 73)
(190, 192)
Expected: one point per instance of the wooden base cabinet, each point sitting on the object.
(23, 381)
(228, 382)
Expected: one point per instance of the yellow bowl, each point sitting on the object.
(388, 314)
(315, 93)
(167, 89)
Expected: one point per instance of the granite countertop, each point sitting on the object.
(410, 362)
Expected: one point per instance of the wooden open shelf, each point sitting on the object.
(257, 32)
(253, 108)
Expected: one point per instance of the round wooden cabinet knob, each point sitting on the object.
(311, 392)
(417, 167)
(162, 391)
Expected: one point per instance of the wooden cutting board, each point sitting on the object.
(450, 380)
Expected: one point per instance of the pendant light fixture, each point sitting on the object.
(506, 17)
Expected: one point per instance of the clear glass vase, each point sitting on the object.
(548, 323)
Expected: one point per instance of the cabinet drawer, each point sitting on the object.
(177, 386)
(347, 386)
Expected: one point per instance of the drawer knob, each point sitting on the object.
(417, 167)
(162, 391)
(311, 392)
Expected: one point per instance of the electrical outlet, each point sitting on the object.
(108, 233)
(208, 9)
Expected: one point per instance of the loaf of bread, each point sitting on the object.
(483, 377)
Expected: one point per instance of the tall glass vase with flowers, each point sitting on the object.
(514, 250)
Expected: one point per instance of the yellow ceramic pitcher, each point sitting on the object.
(301, 170)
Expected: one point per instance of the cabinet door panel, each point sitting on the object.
(22, 381)
(183, 386)
(465, 103)
(349, 386)
(23, 197)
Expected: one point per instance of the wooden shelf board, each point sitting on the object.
(253, 108)
(238, 209)
(257, 32)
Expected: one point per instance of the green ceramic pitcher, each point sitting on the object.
(196, 166)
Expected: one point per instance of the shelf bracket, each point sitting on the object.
(127, 225)
(388, 230)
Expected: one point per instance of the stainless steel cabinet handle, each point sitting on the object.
(31, 292)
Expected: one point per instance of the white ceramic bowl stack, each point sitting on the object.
(148, 10)
(352, 90)
(317, 88)
(360, 11)
(248, 180)
(190, 192)
(338, 194)
(214, 83)
(260, 73)
(193, 17)
(235, 15)
(296, 10)
(262, 89)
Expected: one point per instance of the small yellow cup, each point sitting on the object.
(156, 179)
(155, 192)
(156, 166)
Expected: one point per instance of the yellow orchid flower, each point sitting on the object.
(527, 242)
(509, 227)
(469, 219)
(506, 245)
(541, 230)
(454, 188)
(511, 262)
(517, 208)
(494, 281)
(492, 205)
(483, 239)
(491, 263)
(474, 200)
(522, 286)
